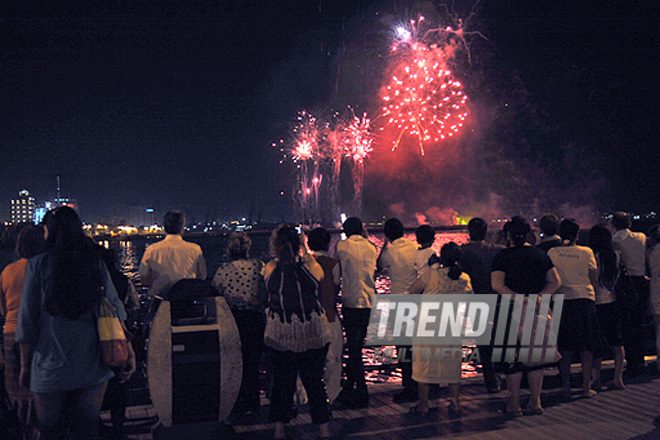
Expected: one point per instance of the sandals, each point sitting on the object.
(510, 412)
(533, 411)
(588, 394)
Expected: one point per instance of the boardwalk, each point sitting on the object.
(615, 415)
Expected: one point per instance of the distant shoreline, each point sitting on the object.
(256, 232)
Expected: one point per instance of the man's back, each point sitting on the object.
(399, 260)
(170, 260)
(357, 257)
(633, 250)
(477, 262)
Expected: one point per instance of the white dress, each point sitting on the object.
(426, 369)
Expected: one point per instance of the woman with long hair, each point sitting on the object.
(60, 349)
(297, 329)
(444, 279)
(30, 242)
(609, 319)
(523, 270)
(578, 329)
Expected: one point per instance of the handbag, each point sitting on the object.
(112, 338)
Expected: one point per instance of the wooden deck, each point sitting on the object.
(615, 415)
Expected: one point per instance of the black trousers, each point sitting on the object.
(405, 363)
(356, 322)
(491, 378)
(251, 325)
(286, 366)
(633, 303)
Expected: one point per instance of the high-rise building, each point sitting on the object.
(22, 208)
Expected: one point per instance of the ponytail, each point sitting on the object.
(450, 257)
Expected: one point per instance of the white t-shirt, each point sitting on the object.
(399, 260)
(422, 260)
(633, 251)
(573, 264)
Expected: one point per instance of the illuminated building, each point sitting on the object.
(22, 208)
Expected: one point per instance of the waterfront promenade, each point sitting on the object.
(612, 415)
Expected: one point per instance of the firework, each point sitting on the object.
(423, 100)
(306, 138)
(358, 138)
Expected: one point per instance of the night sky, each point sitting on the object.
(175, 105)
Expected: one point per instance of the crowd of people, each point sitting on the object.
(297, 308)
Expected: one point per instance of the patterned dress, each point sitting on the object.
(426, 369)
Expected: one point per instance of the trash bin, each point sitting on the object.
(194, 362)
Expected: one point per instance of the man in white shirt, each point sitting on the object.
(357, 260)
(398, 258)
(633, 292)
(171, 259)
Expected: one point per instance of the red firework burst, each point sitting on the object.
(423, 99)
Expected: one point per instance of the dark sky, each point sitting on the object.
(174, 105)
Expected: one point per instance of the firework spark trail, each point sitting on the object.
(459, 31)
(358, 140)
(423, 100)
(334, 153)
(319, 150)
(305, 152)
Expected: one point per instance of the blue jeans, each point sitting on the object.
(76, 411)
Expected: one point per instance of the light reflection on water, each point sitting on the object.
(128, 260)
(129, 254)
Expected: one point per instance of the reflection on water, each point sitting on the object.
(128, 260)
(129, 254)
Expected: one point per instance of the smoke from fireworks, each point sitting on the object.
(422, 100)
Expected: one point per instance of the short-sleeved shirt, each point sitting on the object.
(241, 283)
(399, 260)
(573, 264)
(357, 258)
(525, 268)
(633, 251)
(327, 286)
(67, 353)
(170, 260)
(11, 286)
(422, 260)
(477, 261)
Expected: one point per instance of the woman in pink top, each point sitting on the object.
(30, 242)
